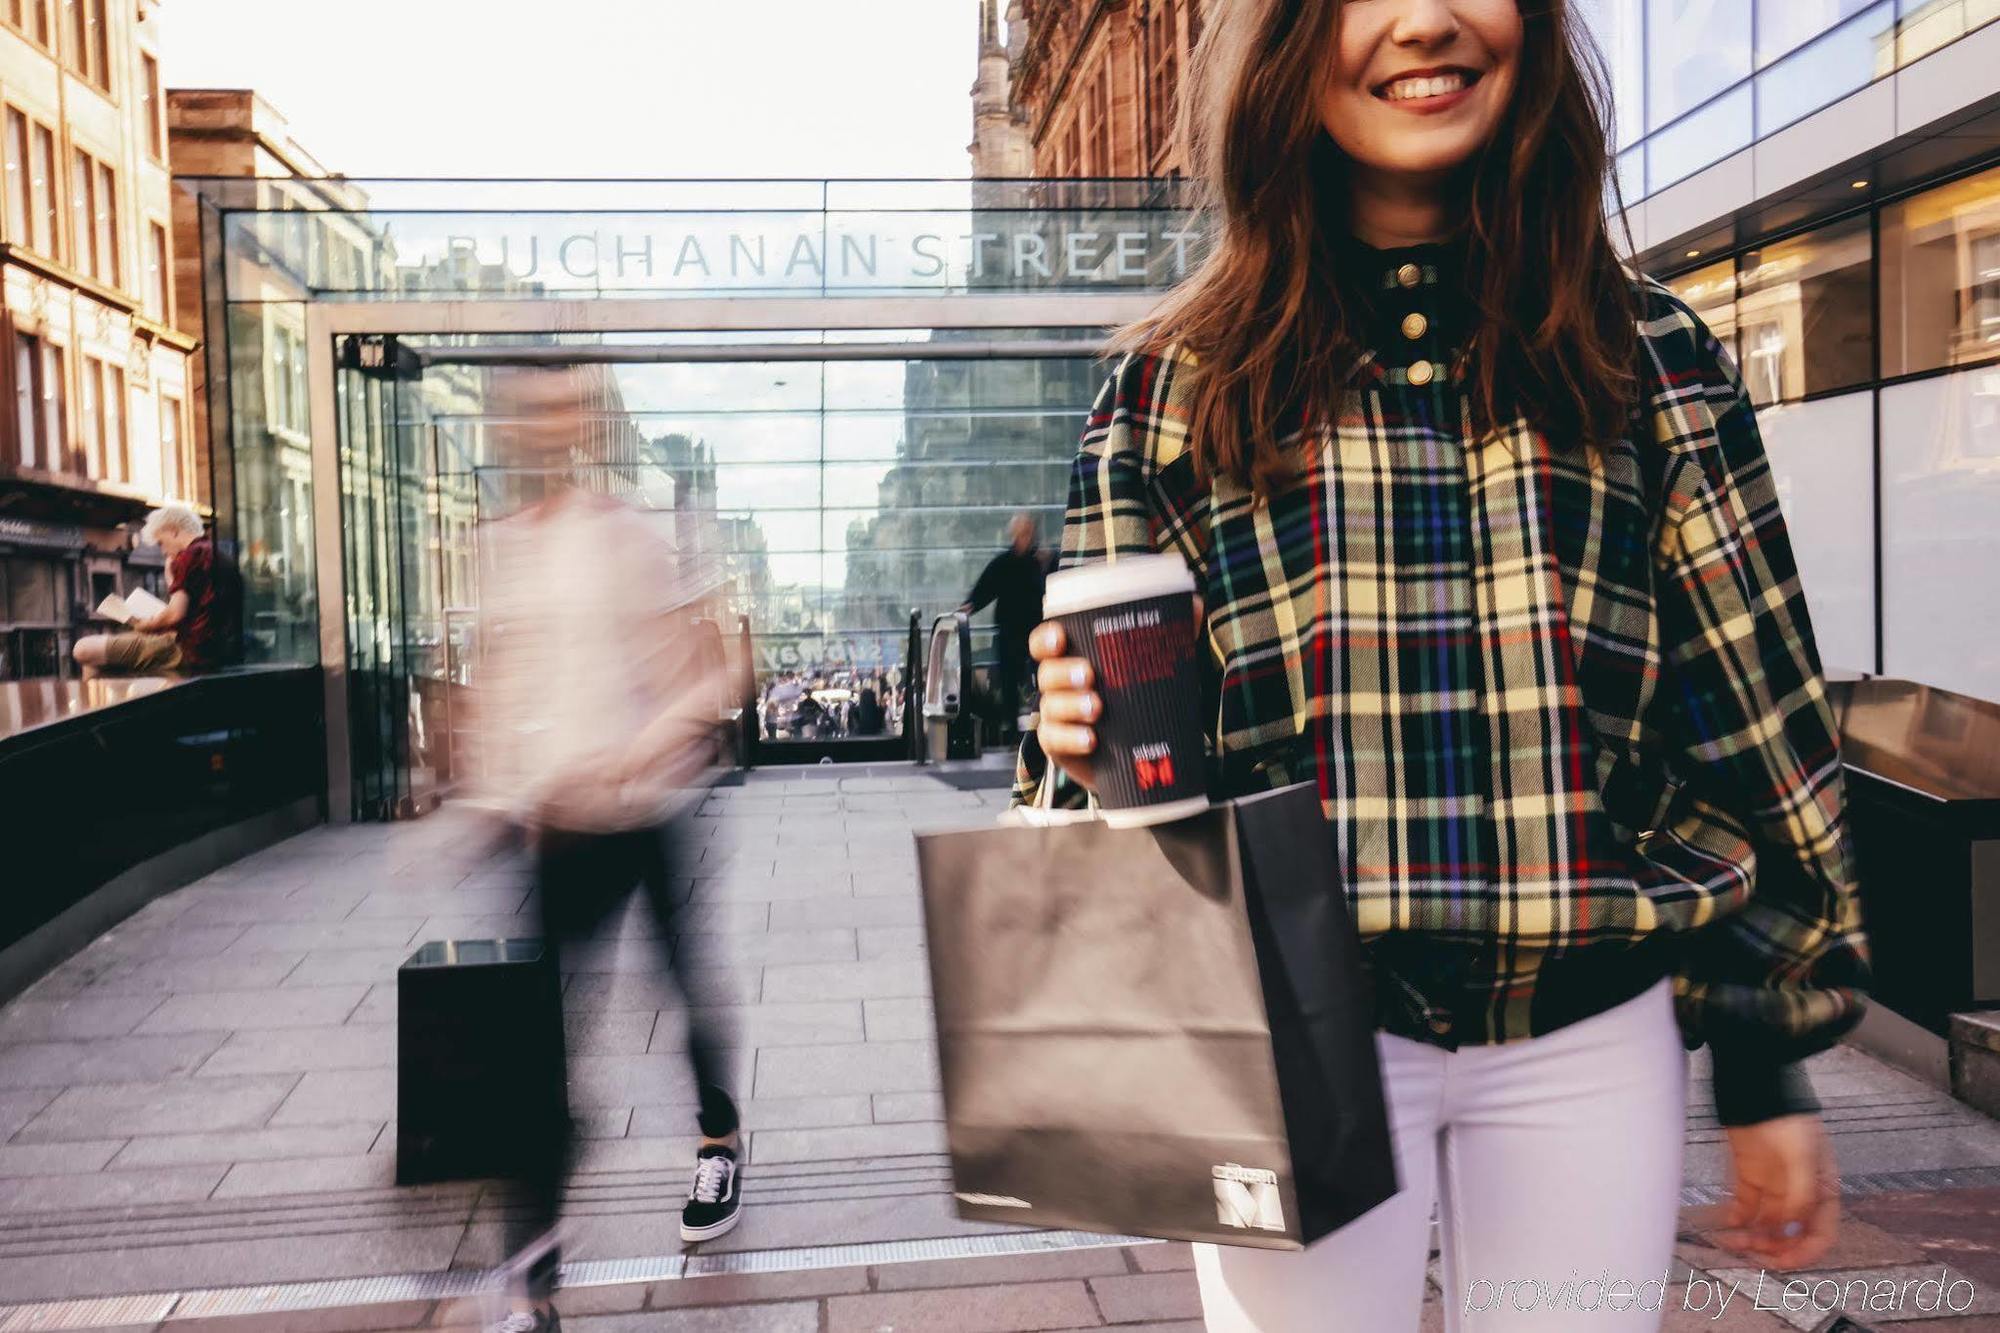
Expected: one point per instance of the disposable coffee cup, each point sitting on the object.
(1132, 619)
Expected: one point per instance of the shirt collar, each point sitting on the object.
(1410, 310)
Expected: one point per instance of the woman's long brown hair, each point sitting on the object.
(1555, 337)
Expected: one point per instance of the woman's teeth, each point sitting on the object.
(1404, 90)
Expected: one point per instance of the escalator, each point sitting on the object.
(931, 718)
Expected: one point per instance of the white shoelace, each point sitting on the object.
(711, 1174)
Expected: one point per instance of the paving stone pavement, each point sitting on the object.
(205, 1097)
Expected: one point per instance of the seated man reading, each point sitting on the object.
(199, 629)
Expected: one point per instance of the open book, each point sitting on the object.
(134, 605)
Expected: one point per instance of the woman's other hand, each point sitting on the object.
(1785, 1207)
(1069, 704)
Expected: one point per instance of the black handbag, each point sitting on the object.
(1160, 1031)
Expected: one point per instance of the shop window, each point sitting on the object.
(1941, 276)
(1711, 293)
(1803, 313)
(32, 597)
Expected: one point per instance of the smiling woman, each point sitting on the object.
(1391, 122)
(1490, 553)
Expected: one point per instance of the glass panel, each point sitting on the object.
(1632, 174)
(107, 226)
(82, 214)
(1694, 50)
(1823, 457)
(272, 519)
(93, 441)
(117, 456)
(55, 412)
(1786, 25)
(18, 204)
(1941, 276)
(1804, 310)
(1619, 29)
(1940, 490)
(1828, 70)
(44, 194)
(26, 350)
(1709, 135)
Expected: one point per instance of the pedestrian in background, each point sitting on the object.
(201, 627)
(1490, 552)
(599, 728)
(1011, 584)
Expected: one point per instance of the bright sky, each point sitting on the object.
(716, 88)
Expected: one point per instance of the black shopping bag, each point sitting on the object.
(1159, 1031)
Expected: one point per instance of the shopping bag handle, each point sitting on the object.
(1043, 813)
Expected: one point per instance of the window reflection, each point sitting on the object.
(1941, 276)
(1828, 69)
(1711, 293)
(1619, 29)
(1786, 25)
(1929, 24)
(1802, 313)
(1694, 50)
(1709, 135)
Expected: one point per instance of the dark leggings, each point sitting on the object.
(580, 879)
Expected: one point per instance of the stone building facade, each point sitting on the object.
(1093, 84)
(94, 367)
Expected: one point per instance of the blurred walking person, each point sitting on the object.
(1011, 584)
(599, 729)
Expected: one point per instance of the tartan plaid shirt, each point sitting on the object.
(1564, 708)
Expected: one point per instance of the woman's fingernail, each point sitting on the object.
(1089, 709)
(1078, 675)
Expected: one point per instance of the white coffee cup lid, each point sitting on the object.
(1129, 578)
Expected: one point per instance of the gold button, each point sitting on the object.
(1409, 275)
(1415, 325)
(1421, 373)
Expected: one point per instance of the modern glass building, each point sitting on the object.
(1821, 180)
(836, 393)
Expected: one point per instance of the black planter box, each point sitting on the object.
(480, 1086)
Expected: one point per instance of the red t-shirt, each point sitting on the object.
(211, 631)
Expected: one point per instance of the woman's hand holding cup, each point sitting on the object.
(1069, 704)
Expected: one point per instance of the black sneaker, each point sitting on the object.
(716, 1199)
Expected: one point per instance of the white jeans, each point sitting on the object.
(1554, 1160)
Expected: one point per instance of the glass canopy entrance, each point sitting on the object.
(837, 440)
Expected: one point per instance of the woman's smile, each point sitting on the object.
(1429, 91)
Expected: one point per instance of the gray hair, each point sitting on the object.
(171, 517)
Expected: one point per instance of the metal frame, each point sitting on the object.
(328, 320)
